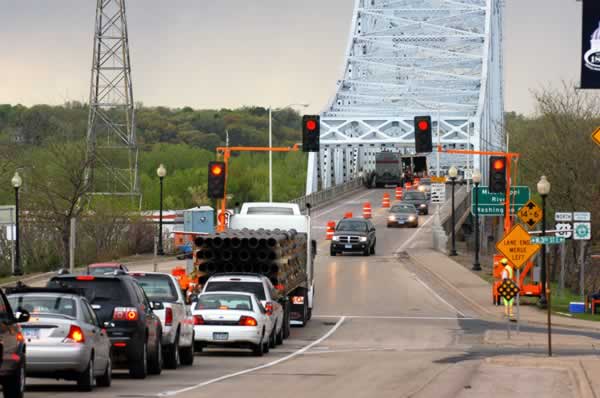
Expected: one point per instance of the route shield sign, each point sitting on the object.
(596, 136)
(492, 204)
(582, 231)
(530, 214)
(563, 224)
(516, 246)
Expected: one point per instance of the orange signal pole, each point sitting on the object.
(226, 153)
(509, 157)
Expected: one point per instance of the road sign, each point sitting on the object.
(547, 240)
(564, 230)
(468, 174)
(596, 136)
(563, 217)
(516, 246)
(492, 204)
(582, 231)
(508, 289)
(438, 193)
(530, 214)
(582, 216)
(441, 180)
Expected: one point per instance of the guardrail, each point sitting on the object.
(318, 198)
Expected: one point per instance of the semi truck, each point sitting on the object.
(388, 169)
(413, 166)
(271, 239)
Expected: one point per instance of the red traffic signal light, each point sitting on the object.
(498, 164)
(216, 180)
(311, 133)
(216, 169)
(423, 125)
(497, 174)
(311, 125)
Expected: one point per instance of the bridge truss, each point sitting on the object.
(407, 58)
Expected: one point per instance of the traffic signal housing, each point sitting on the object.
(497, 174)
(216, 180)
(311, 133)
(423, 142)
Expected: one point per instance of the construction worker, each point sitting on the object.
(507, 273)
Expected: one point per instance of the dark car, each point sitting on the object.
(122, 307)
(354, 235)
(100, 269)
(12, 366)
(403, 214)
(418, 199)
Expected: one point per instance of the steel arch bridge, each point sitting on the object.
(407, 58)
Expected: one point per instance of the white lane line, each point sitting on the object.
(267, 365)
(319, 214)
(417, 318)
(440, 297)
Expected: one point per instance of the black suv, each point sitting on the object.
(121, 305)
(354, 235)
(12, 367)
(417, 198)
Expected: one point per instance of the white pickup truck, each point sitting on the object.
(175, 316)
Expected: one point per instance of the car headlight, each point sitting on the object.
(392, 217)
(411, 218)
(423, 205)
(336, 238)
(363, 239)
(421, 188)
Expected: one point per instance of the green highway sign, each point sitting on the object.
(547, 240)
(492, 204)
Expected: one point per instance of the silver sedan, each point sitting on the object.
(64, 339)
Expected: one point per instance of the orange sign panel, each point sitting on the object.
(516, 246)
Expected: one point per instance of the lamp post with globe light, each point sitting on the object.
(16, 182)
(476, 182)
(543, 188)
(161, 172)
(453, 173)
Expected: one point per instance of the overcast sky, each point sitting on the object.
(228, 53)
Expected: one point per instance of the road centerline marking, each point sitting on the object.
(254, 369)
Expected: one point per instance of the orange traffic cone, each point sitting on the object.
(407, 185)
(385, 203)
(330, 229)
(348, 215)
(367, 210)
(398, 193)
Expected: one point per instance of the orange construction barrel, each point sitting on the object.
(367, 213)
(398, 193)
(385, 203)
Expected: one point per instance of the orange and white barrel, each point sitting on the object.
(398, 193)
(348, 214)
(329, 230)
(385, 202)
(407, 185)
(367, 211)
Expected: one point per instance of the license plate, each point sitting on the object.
(400, 222)
(31, 333)
(220, 336)
(348, 246)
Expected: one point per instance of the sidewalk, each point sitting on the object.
(478, 292)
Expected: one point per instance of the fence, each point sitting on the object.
(321, 197)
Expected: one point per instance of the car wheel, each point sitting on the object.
(286, 321)
(171, 354)
(14, 385)
(279, 337)
(86, 380)
(156, 360)
(265, 346)
(258, 349)
(366, 252)
(198, 347)
(332, 252)
(186, 354)
(272, 338)
(138, 367)
(106, 379)
(373, 249)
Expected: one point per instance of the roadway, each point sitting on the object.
(380, 327)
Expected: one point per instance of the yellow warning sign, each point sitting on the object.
(516, 246)
(530, 214)
(596, 136)
(438, 180)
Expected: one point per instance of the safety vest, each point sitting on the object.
(509, 271)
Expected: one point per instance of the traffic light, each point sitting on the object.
(216, 180)
(497, 174)
(423, 134)
(311, 132)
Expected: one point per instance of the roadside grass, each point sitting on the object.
(560, 303)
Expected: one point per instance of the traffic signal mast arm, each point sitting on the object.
(509, 157)
(226, 153)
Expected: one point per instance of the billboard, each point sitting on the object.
(590, 44)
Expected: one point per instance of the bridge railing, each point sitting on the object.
(320, 197)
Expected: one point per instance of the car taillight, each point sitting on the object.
(125, 314)
(269, 308)
(75, 335)
(168, 316)
(198, 320)
(85, 278)
(247, 321)
(298, 300)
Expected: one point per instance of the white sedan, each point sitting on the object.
(231, 320)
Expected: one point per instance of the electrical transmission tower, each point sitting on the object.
(111, 139)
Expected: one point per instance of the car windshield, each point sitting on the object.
(287, 211)
(403, 209)
(233, 286)
(157, 287)
(413, 195)
(100, 291)
(224, 302)
(357, 226)
(99, 271)
(44, 304)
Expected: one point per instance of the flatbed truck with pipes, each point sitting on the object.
(272, 239)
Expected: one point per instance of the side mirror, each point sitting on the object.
(157, 305)
(22, 315)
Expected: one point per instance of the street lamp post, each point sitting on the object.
(271, 146)
(453, 173)
(16, 182)
(476, 182)
(543, 187)
(161, 172)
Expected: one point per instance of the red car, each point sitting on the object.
(100, 269)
